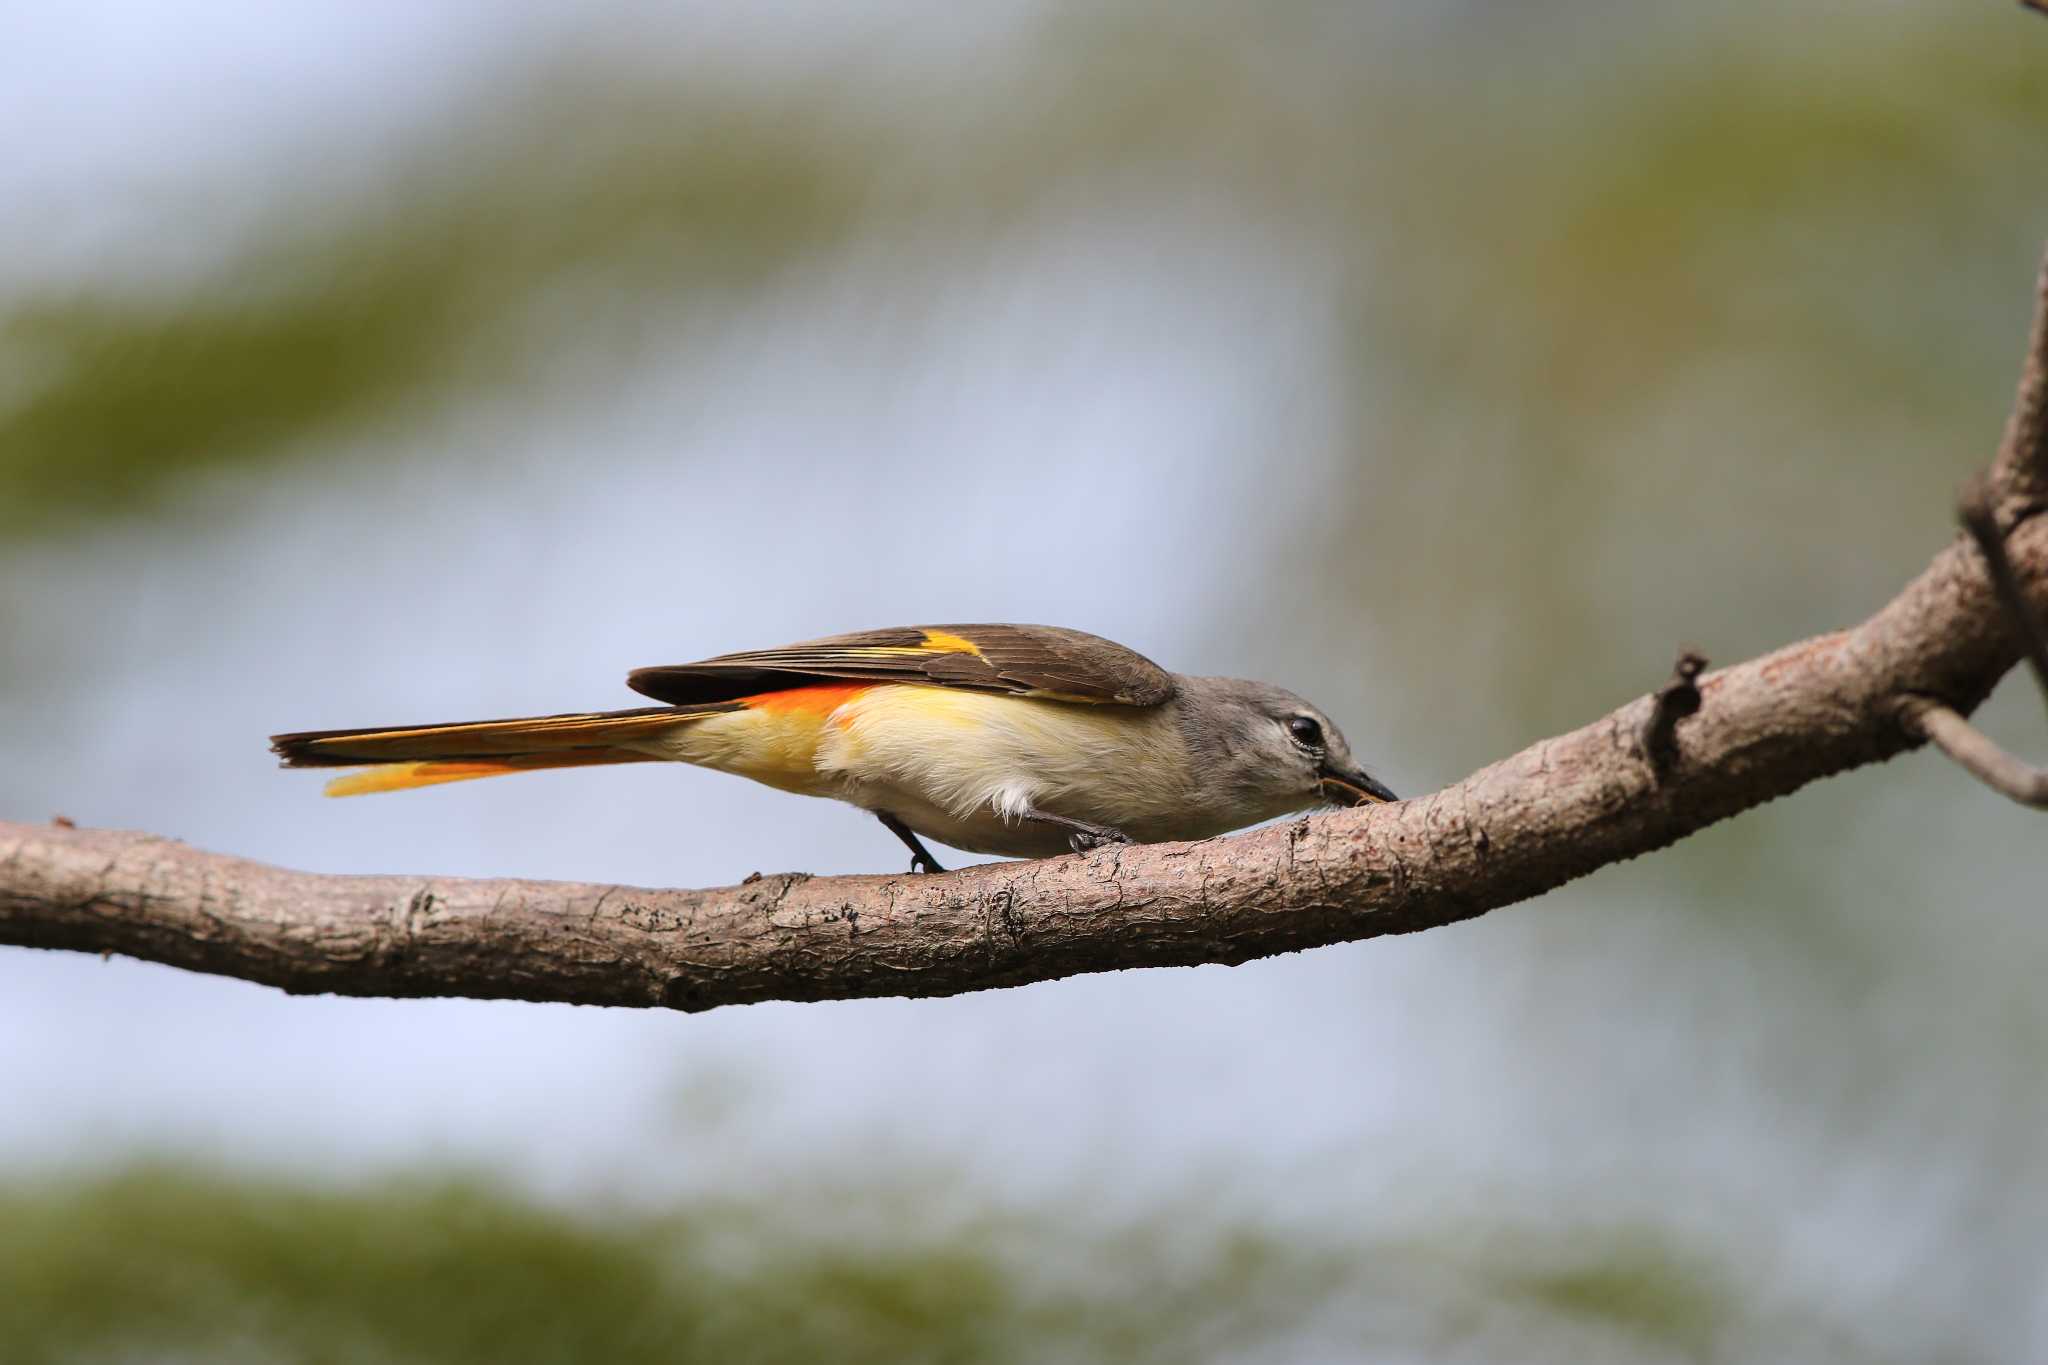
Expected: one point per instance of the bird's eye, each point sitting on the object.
(1306, 732)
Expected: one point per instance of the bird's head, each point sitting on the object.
(1273, 751)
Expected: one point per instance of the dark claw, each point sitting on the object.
(921, 859)
(1088, 840)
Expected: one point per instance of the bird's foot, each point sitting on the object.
(921, 859)
(1083, 836)
(1097, 836)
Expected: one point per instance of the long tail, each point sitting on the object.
(422, 755)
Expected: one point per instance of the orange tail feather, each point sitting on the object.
(424, 755)
(396, 777)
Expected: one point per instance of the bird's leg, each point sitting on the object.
(921, 859)
(1083, 835)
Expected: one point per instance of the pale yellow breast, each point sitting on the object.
(967, 752)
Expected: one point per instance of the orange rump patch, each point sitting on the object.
(818, 700)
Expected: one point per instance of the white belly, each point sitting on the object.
(962, 766)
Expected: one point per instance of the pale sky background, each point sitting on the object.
(1120, 412)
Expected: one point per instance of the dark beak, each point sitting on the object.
(1352, 788)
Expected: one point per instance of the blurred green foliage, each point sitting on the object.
(348, 303)
(1638, 1287)
(1572, 218)
(1681, 332)
(167, 1263)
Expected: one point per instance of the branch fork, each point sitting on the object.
(1944, 726)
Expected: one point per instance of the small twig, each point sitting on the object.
(1978, 753)
(1976, 508)
(1670, 704)
(2020, 469)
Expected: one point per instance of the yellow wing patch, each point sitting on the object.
(934, 642)
(945, 642)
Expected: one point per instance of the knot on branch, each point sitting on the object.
(1670, 704)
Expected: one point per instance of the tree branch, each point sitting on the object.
(1556, 811)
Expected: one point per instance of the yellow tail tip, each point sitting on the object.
(398, 777)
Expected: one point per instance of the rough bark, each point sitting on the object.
(1634, 781)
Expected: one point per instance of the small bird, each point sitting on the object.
(1020, 741)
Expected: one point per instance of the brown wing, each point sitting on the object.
(1028, 661)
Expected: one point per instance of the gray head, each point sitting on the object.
(1275, 752)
